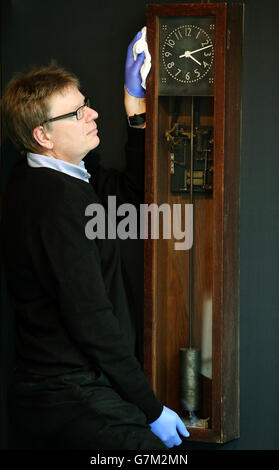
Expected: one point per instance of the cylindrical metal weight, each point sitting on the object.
(190, 389)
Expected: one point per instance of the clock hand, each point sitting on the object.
(201, 49)
(188, 54)
(193, 58)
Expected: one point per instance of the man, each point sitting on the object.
(77, 383)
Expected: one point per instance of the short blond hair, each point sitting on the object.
(25, 102)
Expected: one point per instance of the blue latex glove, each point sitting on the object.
(132, 71)
(166, 427)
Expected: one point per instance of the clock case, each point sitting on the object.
(214, 284)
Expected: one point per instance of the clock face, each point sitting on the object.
(187, 55)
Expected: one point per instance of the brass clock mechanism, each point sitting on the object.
(191, 157)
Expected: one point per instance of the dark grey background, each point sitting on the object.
(90, 38)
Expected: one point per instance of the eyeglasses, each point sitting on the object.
(79, 113)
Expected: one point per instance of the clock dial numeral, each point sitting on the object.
(188, 31)
(178, 34)
(171, 43)
(205, 43)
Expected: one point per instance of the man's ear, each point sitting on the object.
(42, 137)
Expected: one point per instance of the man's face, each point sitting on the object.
(72, 139)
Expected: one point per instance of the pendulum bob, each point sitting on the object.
(190, 383)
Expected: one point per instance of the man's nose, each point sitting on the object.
(90, 114)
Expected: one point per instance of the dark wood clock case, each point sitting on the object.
(215, 253)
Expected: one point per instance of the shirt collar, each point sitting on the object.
(36, 160)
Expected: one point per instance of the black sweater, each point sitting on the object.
(67, 291)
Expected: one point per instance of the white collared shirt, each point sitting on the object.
(36, 160)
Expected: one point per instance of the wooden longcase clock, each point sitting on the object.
(192, 160)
